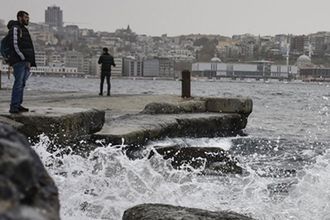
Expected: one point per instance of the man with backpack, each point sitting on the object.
(19, 53)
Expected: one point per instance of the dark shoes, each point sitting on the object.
(15, 110)
(100, 94)
(108, 94)
(23, 109)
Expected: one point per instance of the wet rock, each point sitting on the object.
(229, 105)
(26, 190)
(168, 212)
(60, 124)
(10, 122)
(211, 160)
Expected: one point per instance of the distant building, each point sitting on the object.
(181, 55)
(54, 70)
(71, 33)
(132, 66)
(166, 67)
(151, 67)
(297, 44)
(158, 67)
(55, 59)
(86, 65)
(54, 17)
(318, 43)
(304, 61)
(74, 59)
(95, 68)
(315, 74)
(118, 70)
(257, 69)
(41, 58)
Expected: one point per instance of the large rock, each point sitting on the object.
(169, 212)
(27, 192)
(229, 105)
(210, 160)
(138, 129)
(181, 107)
(11, 123)
(60, 124)
(197, 105)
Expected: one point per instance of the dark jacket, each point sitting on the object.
(107, 61)
(21, 44)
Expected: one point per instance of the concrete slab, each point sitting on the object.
(137, 129)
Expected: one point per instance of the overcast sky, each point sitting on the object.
(176, 17)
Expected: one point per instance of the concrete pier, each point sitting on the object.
(132, 118)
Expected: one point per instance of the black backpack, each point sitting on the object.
(5, 48)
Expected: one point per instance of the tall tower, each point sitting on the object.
(54, 17)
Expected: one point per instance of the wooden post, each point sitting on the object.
(185, 84)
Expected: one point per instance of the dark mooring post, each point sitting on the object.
(185, 84)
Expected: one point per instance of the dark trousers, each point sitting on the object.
(107, 76)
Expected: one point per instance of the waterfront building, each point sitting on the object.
(158, 67)
(304, 61)
(118, 70)
(151, 67)
(256, 69)
(166, 67)
(132, 66)
(315, 74)
(310, 72)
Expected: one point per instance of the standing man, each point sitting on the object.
(107, 61)
(21, 58)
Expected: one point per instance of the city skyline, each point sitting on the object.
(258, 17)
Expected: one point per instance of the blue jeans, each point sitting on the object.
(21, 74)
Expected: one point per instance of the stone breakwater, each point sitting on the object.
(134, 119)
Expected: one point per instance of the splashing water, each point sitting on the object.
(106, 183)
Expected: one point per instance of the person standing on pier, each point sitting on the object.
(106, 60)
(22, 57)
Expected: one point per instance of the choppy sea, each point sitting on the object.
(286, 154)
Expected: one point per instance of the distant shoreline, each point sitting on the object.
(194, 79)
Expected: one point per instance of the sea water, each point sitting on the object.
(285, 155)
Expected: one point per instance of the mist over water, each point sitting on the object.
(285, 156)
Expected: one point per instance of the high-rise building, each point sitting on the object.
(54, 17)
(297, 44)
(132, 66)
